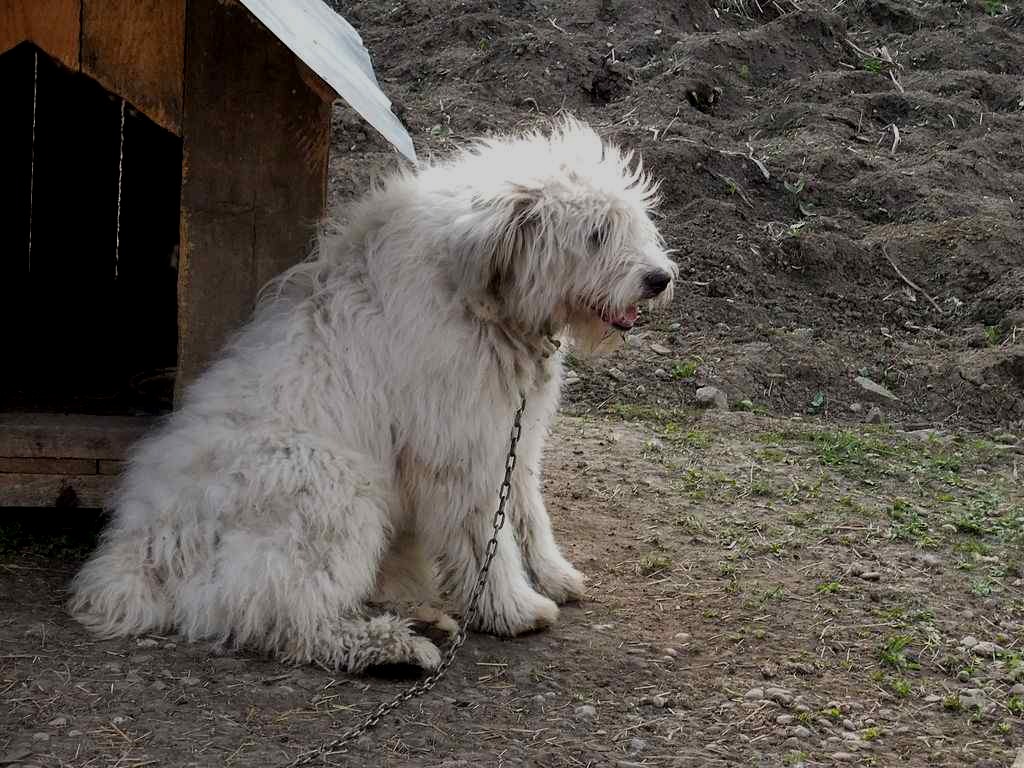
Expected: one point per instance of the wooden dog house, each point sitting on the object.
(166, 158)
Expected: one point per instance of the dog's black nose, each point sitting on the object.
(656, 281)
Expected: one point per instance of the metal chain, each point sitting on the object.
(418, 689)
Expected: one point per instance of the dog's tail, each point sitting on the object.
(118, 592)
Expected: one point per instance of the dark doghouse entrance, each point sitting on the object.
(88, 251)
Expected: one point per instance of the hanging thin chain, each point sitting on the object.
(332, 747)
(120, 176)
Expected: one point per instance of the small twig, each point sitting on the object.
(731, 182)
(554, 23)
(895, 138)
(896, 81)
(910, 282)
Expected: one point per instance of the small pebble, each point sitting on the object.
(74, 732)
(969, 641)
(670, 652)
(871, 575)
(585, 712)
(146, 642)
(784, 719)
(843, 757)
(636, 745)
(40, 737)
(58, 722)
(682, 637)
(1017, 690)
(754, 694)
(986, 649)
(801, 732)
(779, 695)
(616, 374)
(660, 349)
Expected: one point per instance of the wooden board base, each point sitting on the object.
(57, 460)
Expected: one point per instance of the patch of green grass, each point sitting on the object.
(893, 653)
(833, 713)
(795, 758)
(900, 687)
(653, 563)
(907, 524)
(829, 588)
(686, 369)
(871, 734)
(952, 703)
(872, 64)
(982, 587)
(1015, 705)
(994, 7)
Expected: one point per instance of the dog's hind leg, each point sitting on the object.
(300, 536)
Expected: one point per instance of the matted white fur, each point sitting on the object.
(346, 449)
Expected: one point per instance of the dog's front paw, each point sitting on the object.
(560, 581)
(515, 614)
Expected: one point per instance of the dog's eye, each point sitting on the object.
(598, 238)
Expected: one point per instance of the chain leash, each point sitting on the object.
(418, 689)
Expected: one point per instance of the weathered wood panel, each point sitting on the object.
(47, 466)
(53, 25)
(136, 49)
(69, 491)
(45, 435)
(255, 170)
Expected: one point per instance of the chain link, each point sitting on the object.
(418, 689)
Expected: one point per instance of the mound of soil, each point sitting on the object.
(842, 187)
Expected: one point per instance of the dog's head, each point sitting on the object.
(556, 230)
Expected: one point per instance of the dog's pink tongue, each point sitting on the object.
(627, 319)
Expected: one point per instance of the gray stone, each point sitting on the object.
(616, 374)
(660, 349)
(146, 642)
(712, 397)
(58, 721)
(874, 416)
(1017, 690)
(844, 757)
(40, 737)
(785, 719)
(661, 373)
(801, 732)
(754, 694)
(636, 745)
(986, 649)
(969, 641)
(585, 712)
(856, 408)
(876, 390)
(779, 695)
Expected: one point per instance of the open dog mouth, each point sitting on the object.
(623, 320)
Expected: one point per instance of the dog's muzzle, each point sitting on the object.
(655, 282)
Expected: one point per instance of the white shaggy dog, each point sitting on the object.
(348, 446)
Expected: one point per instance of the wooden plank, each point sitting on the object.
(83, 491)
(110, 467)
(53, 25)
(136, 49)
(58, 436)
(254, 173)
(46, 466)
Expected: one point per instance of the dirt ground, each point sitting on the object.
(783, 585)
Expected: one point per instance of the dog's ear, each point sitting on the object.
(492, 243)
(519, 227)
